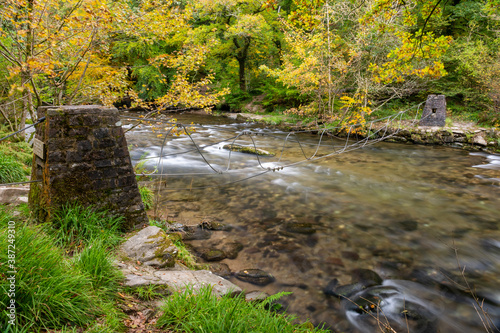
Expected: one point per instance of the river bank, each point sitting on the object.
(463, 135)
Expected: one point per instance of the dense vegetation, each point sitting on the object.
(338, 60)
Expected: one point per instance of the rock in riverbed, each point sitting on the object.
(255, 276)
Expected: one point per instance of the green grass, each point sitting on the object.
(49, 292)
(147, 197)
(95, 261)
(149, 292)
(183, 255)
(187, 312)
(54, 291)
(75, 227)
(11, 171)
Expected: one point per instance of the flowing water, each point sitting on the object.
(416, 215)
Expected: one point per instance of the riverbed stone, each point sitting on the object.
(300, 228)
(214, 225)
(195, 233)
(255, 276)
(220, 269)
(232, 249)
(211, 254)
(151, 247)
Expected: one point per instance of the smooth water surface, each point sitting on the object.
(415, 215)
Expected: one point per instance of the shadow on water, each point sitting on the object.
(395, 211)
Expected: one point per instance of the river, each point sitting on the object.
(417, 216)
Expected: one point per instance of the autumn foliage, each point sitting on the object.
(338, 60)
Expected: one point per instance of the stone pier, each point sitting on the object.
(81, 155)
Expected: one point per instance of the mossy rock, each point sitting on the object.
(247, 150)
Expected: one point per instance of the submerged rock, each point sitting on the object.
(255, 276)
(232, 249)
(361, 279)
(194, 233)
(151, 247)
(366, 277)
(256, 296)
(300, 228)
(212, 254)
(400, 313)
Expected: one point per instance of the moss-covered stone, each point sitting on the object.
(247, 150)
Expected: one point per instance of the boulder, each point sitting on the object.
(220, 269)
(151, 247)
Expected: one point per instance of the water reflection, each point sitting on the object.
(405, 212)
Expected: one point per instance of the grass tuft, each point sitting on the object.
(11, 171)
(95, 261)
(204, 312)
(49, 292)
(75, 227)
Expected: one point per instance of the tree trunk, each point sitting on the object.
(241, 56)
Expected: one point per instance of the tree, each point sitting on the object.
(166, 59)
(366, 50)
(245, 31)
(49, 46)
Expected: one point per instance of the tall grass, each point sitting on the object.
(95, 261)
(75, 227)
(204, 312)
(49, 292)
(11, 170)
(54, 291)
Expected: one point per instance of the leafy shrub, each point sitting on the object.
(147, 197)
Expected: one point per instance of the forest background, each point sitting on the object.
(336, 61)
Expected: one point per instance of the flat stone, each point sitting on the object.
(180, 280)
(132, 280)
(13, 194)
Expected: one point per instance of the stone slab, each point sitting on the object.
(13, 194)
(180, 280)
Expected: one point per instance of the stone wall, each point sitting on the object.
(84, 159)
